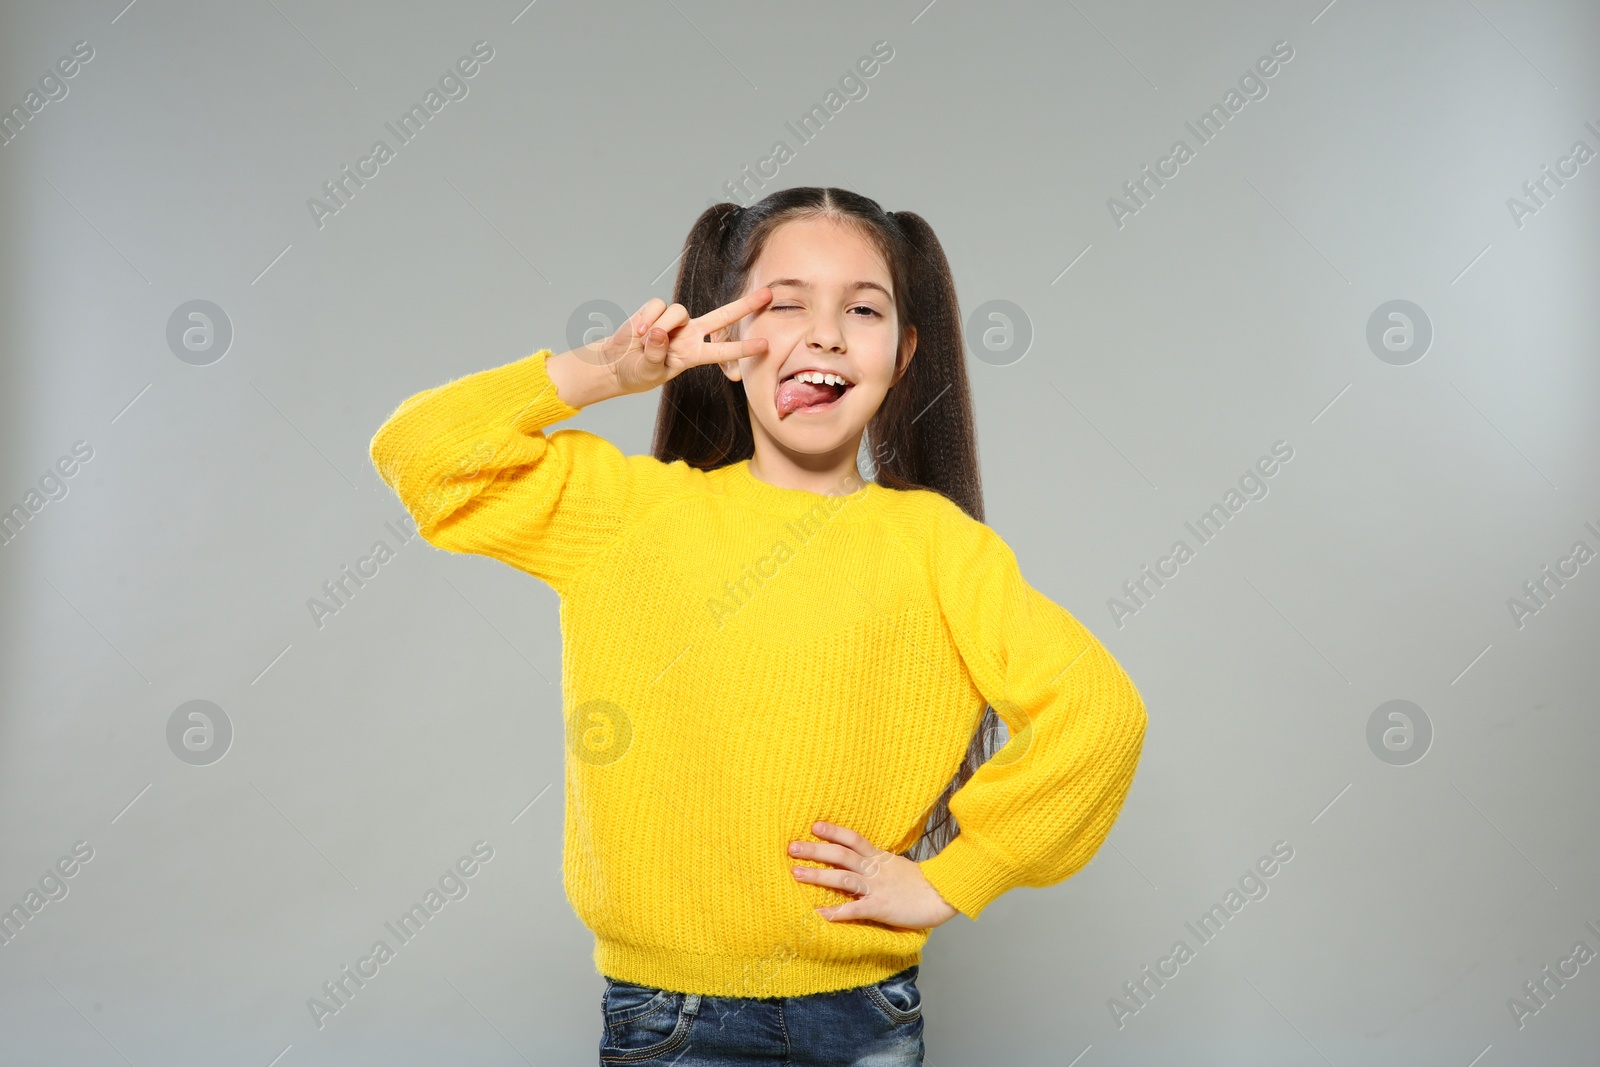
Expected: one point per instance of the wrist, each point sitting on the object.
(947, 911)
(580, 382)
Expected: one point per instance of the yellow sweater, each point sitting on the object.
(740, 660)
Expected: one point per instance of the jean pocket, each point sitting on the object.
(643, 1022)
(897, 996)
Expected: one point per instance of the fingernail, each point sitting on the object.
(794, 849)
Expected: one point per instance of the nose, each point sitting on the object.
(825, 336)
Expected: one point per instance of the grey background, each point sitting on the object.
(1229, 313)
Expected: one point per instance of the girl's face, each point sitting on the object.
(832, 310)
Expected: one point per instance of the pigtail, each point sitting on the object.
(922, 436)
(701, 417)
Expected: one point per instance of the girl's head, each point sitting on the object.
(858, 292)
(835, 310)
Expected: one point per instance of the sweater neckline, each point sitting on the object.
(742, 483)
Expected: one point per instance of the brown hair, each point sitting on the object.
(921, 437)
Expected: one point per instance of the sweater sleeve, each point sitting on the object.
(1040, 807)
(473, 466)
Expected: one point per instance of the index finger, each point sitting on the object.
(734, 311)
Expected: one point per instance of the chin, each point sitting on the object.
(821, 437)
(816, 443)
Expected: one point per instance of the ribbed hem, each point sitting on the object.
(776, 974)
(740, 483)
(968, 875)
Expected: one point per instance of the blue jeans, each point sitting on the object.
(878, 1025)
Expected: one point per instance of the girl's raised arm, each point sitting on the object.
(472, 464)
(1040, 808)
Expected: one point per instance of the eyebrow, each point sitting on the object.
(796, 283)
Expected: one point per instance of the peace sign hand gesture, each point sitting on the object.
(659, 342)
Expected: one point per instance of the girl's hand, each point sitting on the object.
(659, 342)
(888, 887)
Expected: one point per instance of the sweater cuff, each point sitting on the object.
(527, 384)
(968, 875)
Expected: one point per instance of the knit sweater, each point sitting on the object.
(740, 660)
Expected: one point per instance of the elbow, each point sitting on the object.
(1135, 720)
(389, 443)
(380, 453)
(390, 450)
(426, 499)
(428, 471)
(410, 422)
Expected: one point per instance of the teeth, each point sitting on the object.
(818, 376)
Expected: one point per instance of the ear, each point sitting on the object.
(731, 368)
(905, 360)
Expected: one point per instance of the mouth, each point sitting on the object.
(809, 391)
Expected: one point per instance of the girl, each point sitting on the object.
(779, 677)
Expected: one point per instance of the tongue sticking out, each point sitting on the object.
(793, 395)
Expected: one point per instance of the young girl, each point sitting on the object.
(778, 677)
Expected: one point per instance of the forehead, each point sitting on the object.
(822, 252)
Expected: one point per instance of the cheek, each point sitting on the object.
(882, 375)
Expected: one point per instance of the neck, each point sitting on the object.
(831, 473)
